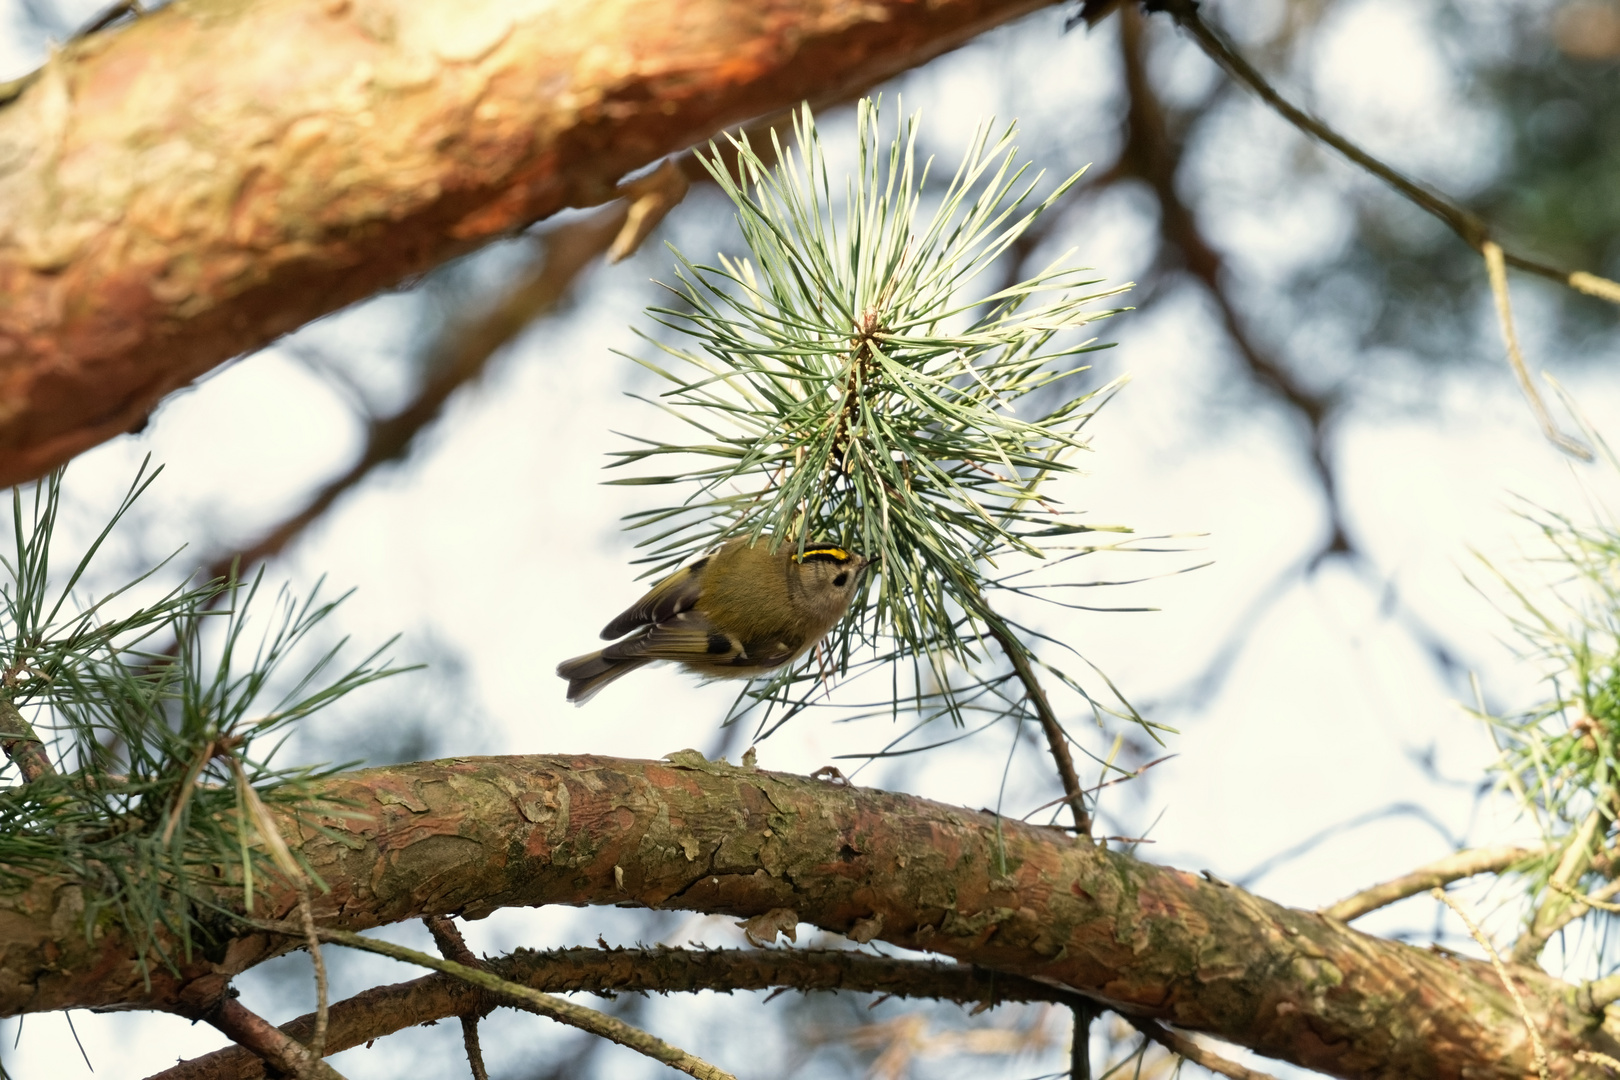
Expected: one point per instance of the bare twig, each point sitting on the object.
(380, 1011)
(317, 1038)
(1182, 1046)
(454, 947)
(1592, 1057)
(466, 347)
(556, 1008)
(466, 350)
(1598, 900)
(1497, 272)
(1501, 973)
(253, 1032)
(651, 198)
(1057, 740)
(1454, 867)
(1080, 1040)
(447, 936)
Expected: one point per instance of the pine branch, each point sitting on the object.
(1159, 942)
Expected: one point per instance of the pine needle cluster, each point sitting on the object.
(854, 380)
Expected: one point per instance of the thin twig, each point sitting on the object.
(1554, 911)
(271, 1044)
(464, 352)
(1454, 867)
(1469, 226)
(1134, 774)
(1539, 1050)
(1080, 1041)
(473, 1048)
(454, 947)
(1182, 1046)
(1593, 1057)
(1497, 272)
(317, 1040)
(1598, 900)
(383, 1010)
(548, 1005)
(1057, 740)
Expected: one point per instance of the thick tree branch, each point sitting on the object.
(472, 835)
(190, 186)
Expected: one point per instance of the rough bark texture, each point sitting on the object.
(191, 186)
(468, 836)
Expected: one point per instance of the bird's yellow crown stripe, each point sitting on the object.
(831, 552)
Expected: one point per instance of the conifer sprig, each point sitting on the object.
(850, 385)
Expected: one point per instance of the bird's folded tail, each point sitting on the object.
(589, 673)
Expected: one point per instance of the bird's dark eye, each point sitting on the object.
(841, 580)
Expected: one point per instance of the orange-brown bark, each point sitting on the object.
(471, 835)
(191, 186)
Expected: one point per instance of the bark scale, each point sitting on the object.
(468, 836)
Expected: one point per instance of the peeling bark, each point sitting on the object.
(468, 836)
(189, 187)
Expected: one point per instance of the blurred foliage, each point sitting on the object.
(1546, 78)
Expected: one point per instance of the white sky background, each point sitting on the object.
(495, 543)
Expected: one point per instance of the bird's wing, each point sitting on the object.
(687, 637)
(665, 600)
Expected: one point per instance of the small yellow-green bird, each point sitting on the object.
(737, 612)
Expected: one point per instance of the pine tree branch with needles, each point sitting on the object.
(1149, 941)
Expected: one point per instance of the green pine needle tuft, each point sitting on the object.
(848, 384)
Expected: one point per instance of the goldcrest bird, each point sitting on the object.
(737, 612)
